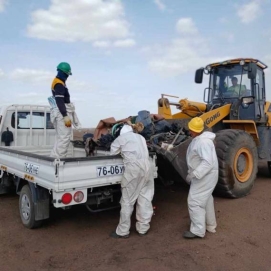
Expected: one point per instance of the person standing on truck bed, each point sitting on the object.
(203, 176)
(62, 111)
(137, 184)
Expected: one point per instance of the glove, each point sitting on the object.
(169, 147)
(189, 177)
(67, 121)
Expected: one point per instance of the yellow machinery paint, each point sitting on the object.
(237, 162)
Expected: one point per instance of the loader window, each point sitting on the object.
(24, 120)
(259, 85)
(230, 82)
(237, 85)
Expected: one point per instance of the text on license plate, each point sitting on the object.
(31, 168)
(110, 170)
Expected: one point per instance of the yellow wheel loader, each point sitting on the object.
(235, 108)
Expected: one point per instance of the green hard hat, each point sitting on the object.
(65, 67)
(116, 129)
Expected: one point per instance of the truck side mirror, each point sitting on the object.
(199, 76)
(252, 70)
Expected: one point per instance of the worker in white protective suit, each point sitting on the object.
(63, 114)
(137, 183)
(202, 176)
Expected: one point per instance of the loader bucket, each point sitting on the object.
(172, 166)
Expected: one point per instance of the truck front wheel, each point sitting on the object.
(26, 208)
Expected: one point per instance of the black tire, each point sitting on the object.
(238, 163)
(26, 209)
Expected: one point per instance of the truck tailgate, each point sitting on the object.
(89, 172)
(67, 173)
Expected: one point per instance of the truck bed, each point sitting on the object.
(59, 174)
(35, 165)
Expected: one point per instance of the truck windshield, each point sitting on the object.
(230, 81)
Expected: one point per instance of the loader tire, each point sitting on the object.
(238, 163)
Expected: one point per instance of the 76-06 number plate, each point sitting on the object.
(109, 170)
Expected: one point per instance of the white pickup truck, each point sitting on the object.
(43, 181)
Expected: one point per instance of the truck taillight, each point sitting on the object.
(66, 198)
(78, 196)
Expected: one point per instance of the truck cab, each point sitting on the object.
(30, 125)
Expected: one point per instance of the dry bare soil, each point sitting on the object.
(78, 240)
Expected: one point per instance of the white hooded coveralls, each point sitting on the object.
(137, 182)
(63, 134)
(203, 165)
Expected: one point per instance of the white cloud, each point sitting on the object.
(249, 12)
(186, 26)
(223, 20)
(31, 76)
(160, 4)
(125, 43)
(28, 95)
(78, 86)
(181, 56)
(3, 5)
(117, 43)
(184, 54)
(101, 44)
(87, 20)
(44, 78)
(268, 59)
(1, 73)
(229, 37)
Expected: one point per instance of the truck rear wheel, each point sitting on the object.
(238, 163)
(26, 208)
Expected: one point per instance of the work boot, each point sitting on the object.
(142, 234)
(211, 230)
(190, 235)
(116, 236)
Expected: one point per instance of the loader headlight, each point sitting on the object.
(242, 62)
(208, 68)
(246, 101)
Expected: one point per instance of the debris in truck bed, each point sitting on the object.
(154, 128)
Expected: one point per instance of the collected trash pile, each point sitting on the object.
(154, 128)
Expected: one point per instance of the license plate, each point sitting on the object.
(109, 170)
(31, 168)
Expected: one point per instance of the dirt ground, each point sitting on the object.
(77, 240)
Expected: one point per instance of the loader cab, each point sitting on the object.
(238, 82)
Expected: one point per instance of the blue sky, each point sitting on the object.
(124, 54)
